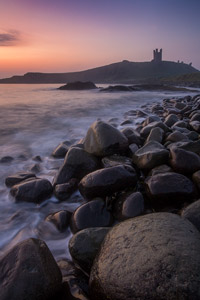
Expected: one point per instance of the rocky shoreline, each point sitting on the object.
(136, 236)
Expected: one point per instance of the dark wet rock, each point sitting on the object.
(192, 213)
(65, 190)
(91, 214)
(181, 124)
(189, 146)
(141, 114)
(75, 282)
(18, 177)
(151, 119)
(160, 169)
(126, 122)
(176, 136)
(6, 159)
(150, 155)
(105, 182)
(146, 130)
(196, 179)
(128, 206)
(171, 120)
(60, 219)
(78, 85)
(132, 136)
(102, 139)
(148, 257)
(35, 168)
(115, 160)
(133, 148)
(156, 134)
(29, 271)
(37, 158)
(118, 88)
(195, 117)
(33, 190)
(77, 164)
(85, 244)
(169, 188)
(195, 126)
(180, 129)
(180, 105)
(183, 161)
(193, 135)
(60, 151)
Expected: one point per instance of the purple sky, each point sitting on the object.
(63, 35)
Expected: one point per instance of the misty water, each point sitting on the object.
(34, 119)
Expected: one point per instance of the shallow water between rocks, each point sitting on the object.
(34, 119)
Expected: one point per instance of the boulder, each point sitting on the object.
(78, 85)
(33, 190)
(176, 136)
(196, 179)
(85, 244)
(77, 164)
(146, 130)
(132, 136)
(103, 139)
(29, 272)
(60, 219)
(65, 190)
(192, 213)
(160, 169)
(195, 126)
(183, 161)
(60, 151)
(151, 119)
(75, 282)
(169, 188)
(189, 146)
(91, 214)
(171, 120)
(116, 160)
(105, 182)
(150, 155)
(128, 206)
(148, 257)
(18, 177)
(156, 134)
(181, 124)
(195, 117)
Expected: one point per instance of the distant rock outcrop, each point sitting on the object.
(78, 85)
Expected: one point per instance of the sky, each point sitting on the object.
(73, 35)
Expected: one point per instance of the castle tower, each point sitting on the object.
(157, 55)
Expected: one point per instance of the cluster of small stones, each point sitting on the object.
(136, 236)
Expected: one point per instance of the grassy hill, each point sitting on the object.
(191, 79)
(121, 72)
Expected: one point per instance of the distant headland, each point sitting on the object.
(120, 72)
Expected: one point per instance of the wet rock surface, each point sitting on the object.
(33, 190)
(91, 214)
(169, 188)
(105, 182)
(77, 164)
(192, 213)
(103, 139)
(18, 177)
(142, 258)
(29, 271)
(85, 244)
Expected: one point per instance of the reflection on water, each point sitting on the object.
(34, 119)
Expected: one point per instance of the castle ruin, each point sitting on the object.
(157, 55)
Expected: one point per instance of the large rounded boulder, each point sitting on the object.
(77, 164)
(29, 272)
(102, 139)
(105, 182)
(155, 256)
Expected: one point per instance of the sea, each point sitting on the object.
(34, 119)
